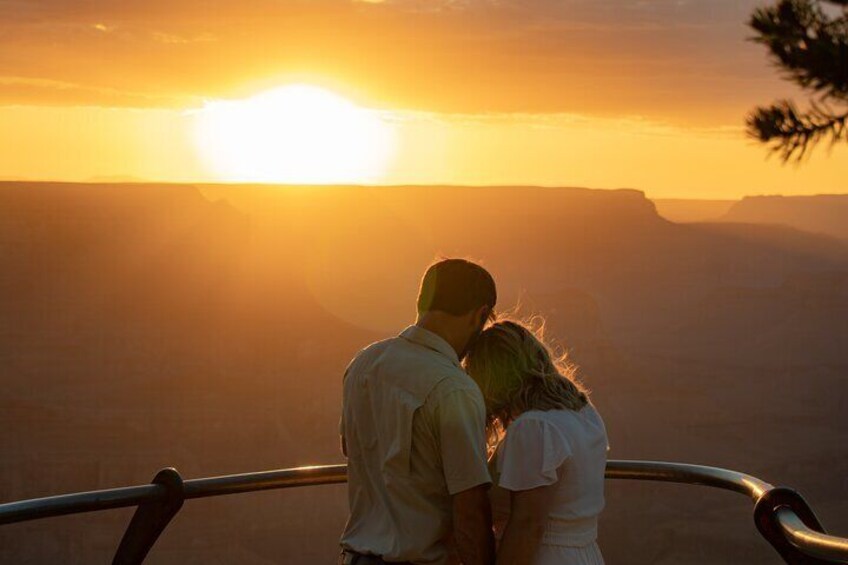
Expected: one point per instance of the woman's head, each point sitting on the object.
(517, 372)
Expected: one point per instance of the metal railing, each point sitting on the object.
(780, 514)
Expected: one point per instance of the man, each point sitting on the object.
(413, 430)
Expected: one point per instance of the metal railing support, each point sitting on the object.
(150, 519)
(765, 517)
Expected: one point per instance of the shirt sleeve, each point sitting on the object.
(532, 452)
(462, 440)
(344, 396)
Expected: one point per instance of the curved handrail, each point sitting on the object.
(91, 501)
(811, 543)
(688, 474)
(79, 502)
(266, 480)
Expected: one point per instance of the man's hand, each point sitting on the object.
(472, 526)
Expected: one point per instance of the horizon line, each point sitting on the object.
(129, 182)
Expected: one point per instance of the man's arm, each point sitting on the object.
(472, 526)
(527, 520)
(342, 441)
(462, 437)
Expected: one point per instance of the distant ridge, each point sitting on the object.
(825, 213)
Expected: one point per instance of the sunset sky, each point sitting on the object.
(648, 94)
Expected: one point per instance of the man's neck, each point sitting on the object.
(437, 323)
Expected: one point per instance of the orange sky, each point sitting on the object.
(648, 94)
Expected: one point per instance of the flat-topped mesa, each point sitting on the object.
(824, 213)
(118, 194)
(486, 201)
(292, 208)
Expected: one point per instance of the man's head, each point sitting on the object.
(456, 298)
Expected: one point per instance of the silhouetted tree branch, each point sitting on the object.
(811, 48)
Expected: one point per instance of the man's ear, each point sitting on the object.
(472, 318)
(483, 314)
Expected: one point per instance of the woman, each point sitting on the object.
(552, 455)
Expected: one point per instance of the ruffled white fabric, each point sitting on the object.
(560, 555)
(563, 448)
(532, 452)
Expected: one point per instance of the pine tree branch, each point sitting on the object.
(791, 133)
(810, 47)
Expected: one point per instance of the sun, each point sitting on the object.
(294, 134)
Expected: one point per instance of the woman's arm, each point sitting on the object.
(526, 525)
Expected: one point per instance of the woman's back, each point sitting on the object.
(568, 449)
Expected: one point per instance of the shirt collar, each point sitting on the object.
(428, 339)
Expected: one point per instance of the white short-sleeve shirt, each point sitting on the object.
(414, 427)
(563, 447)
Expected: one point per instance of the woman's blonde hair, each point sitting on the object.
(517, 372)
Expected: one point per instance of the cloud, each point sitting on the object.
(627, 124)
(26, 91)
(163, 37)
(665, 58)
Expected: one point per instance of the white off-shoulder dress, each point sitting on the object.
(567, 448)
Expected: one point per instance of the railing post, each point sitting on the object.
(151, 519)
(765, 517)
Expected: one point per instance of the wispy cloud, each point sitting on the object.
(173, 38)
(21, 90)
(625, 124)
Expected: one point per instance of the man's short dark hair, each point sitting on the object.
(456, 286)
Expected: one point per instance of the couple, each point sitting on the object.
(423, 411)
